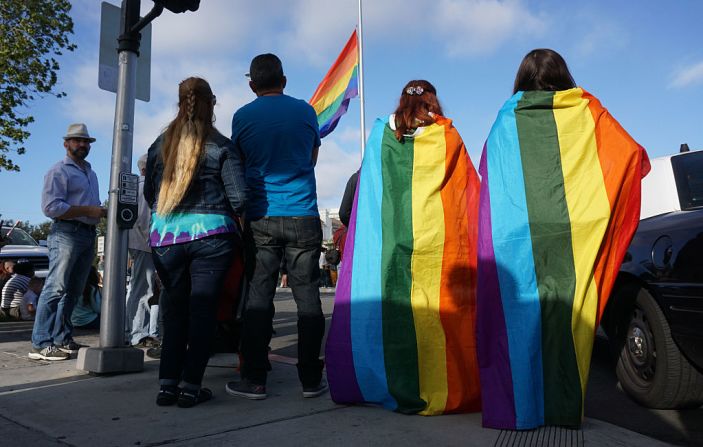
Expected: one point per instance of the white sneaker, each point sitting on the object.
(50, 353)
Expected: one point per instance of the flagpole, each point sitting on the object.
(360, 37)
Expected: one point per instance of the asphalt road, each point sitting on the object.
(605, 400)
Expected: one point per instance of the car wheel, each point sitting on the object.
(650, 367)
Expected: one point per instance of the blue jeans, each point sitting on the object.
(141, 289)
(192, 275)
(266, 241)
(71, 253)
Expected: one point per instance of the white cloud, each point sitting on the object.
(334, 167)
(320, 28)
(687, 76)
(598, 34)
(219, 27)
(482, 26)
(317, 29)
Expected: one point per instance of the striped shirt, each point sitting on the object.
(13, 291)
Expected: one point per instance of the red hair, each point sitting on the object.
(417, 100)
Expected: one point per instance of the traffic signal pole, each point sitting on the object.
(113, 354)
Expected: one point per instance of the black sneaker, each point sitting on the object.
(190, 398)
(147, 342)
(50, 353)
(246, 389)
(315, 391)
(71, 347)
(168, 395)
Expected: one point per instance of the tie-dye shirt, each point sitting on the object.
(186, 227)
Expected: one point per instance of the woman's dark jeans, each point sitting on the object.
(192, 275)
(266, 240)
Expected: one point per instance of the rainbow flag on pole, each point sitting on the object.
(560, 202)
(403, 326)
(331, 99)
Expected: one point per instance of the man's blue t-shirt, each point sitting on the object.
(276, 135)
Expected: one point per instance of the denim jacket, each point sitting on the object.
(217, 188)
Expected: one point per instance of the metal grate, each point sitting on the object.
(543, 436)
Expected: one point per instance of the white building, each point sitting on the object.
(330, 222)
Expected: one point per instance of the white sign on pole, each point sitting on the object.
(101, 245)
(110, 16)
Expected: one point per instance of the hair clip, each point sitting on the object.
(414, 90)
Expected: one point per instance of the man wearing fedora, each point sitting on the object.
(71, 198)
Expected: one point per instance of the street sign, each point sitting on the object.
(108, 63)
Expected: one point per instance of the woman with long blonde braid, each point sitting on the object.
(195, 185)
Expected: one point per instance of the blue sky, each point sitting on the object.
(642, 58)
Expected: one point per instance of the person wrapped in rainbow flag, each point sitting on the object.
(403, 327)
(560, 202)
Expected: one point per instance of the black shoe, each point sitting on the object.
(315, 391)
(147, 342)
(245, 388)
(168, 395)
(154, 353)
(189, 398)
(71, 347)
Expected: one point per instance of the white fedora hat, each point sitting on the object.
(78, 130)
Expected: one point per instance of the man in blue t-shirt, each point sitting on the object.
(279, 139)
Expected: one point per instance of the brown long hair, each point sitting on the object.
(543, 69)
(417, 100)
(184, 141)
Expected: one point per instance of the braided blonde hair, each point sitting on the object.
(184, 142)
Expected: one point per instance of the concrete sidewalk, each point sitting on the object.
(44, 403)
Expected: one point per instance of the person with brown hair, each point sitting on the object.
(402, 332)
(560, 202)
(195, 186)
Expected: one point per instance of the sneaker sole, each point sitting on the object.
(309, 394)
(35, 356)
(249, 396)
(69, 351)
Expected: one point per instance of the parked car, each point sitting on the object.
(20, 245)
(654, 318)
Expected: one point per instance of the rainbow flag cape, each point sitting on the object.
(331, 99)
(402, 332)
(560, 202)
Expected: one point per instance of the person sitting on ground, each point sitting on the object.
(14, 289)
(86, 314)
(28, 306)
(5, 272)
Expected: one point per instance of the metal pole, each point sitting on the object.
(360, 37)
(112, 356)
(112, 316)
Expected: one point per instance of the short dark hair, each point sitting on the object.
(23, 267)
(543, 69)
(266, 71)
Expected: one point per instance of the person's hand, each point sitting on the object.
(96, 212)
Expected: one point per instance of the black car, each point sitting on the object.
(654, 318)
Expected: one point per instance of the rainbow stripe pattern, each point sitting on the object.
(560, 202)
(340, 84)
(402, 332)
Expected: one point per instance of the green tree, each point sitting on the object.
(32, 34)
(39, 232)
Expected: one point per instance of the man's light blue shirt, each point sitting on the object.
(65, 185)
